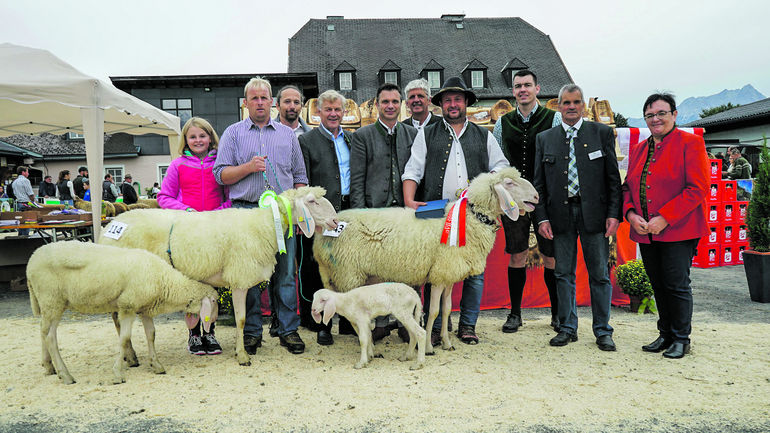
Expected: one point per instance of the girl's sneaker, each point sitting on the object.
(211, 344)
(195, 345)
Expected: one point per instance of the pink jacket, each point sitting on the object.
(189, 182)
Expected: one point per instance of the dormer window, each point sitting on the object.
(345, 77)
(475, 74)
(511, 68)
(390, 72)
(433, 72)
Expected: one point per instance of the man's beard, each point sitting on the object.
(291, 116)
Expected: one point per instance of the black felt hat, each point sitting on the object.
(454, 84)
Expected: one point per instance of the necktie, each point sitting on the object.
(572, 173)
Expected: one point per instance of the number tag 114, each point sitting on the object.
(115, 230)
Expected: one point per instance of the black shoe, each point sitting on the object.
(467, 334)
(659, 345)
(274, 325)
(605, 343)
(403, 334)
(250, 343)
(292, 342)
(324, 338)
(677, 350)
(211, 344)
(562, 339)
(555, 324)
(379, 332)
(512, 324)
(345, 328)
(195, 345)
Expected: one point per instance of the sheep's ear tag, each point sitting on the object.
(507, 204)
(268, 199)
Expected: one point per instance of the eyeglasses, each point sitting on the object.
(660, 115)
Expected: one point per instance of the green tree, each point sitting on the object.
(620, 120)
(758, 219)
(714, 110)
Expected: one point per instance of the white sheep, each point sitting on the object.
(391, 244)
(233, 248)
(83, 277)
(361, 305)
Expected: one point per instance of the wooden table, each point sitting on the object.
(76, 230)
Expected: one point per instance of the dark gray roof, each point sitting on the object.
(744, 113)
(367, 44)
(10, 149)
(58, 147)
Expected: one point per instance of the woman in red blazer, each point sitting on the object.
(663, 200)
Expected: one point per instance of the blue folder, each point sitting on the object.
(433, 209)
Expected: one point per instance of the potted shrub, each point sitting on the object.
(756, 259)
(633, 280)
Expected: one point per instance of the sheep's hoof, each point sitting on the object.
(430, 352)
(49, 369)
(416, 366)
(244, 359)
(448, 348)
(132, 360)
(360, 365)
(67, 379)
(378, 355)
(118, 380)
(157, 368)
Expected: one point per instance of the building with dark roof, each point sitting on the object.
(355, 56)
(746, 124)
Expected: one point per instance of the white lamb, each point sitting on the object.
(391, 244)
(361, 305)
(232, 248)
(83, 277)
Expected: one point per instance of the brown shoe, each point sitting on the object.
(379, 333)
(467, 334)
(292, 342)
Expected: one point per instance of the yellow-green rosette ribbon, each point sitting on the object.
(287, 205)
(268, 199)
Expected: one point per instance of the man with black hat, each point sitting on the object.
(128, 191)
(444, 172)
(77, 184)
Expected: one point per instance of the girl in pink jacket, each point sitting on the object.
(190, 185)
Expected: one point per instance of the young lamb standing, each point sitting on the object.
(82, 277)
(232, 248)
(391, 244)
(363, 304)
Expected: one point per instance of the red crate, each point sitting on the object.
(713, 212)
(743, 211)
(715, 192)
(728, 234)
(741, 248)
(728, 255)
(743, 233)
(716, 169)
(727, 190)
(706, 256)
(729, 212)
(713, 236)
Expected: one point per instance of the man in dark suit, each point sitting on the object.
(378, 155)
(418, 100)
(577, 178)
(326, 150)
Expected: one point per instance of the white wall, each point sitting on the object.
(750, 135)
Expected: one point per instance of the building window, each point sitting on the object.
(346, 81)
(75, 136)
(116, 172)
(162, 169)
(477, 79)
(434, 79)
(391, 77)
(181, 108)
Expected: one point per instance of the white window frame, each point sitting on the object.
(176, 106)
(434, 79)
(75, 136)
(477, 79)
(117, 172)
(162, 169)
(346, 81)
(390, 77)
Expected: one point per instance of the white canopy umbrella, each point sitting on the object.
(41, 93)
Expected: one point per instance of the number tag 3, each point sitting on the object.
(115, 230)
(336, 232)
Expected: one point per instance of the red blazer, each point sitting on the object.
(677, 186)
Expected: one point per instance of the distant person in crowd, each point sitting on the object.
(289, 104)
(128, 191)
(254, 155)
(663, 200)
(23, 193)
(326, 152)
(3, 194)
(516, 132)
(190, 185)
(155, 190)
(109, 190)
(473, 150)
(578, 181)
(377, 160)
(417, 94)
(47, 189)
(66, 188)
(739, 167)
(86, 189)
(77, 184)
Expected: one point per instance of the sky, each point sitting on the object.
(616, 50)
